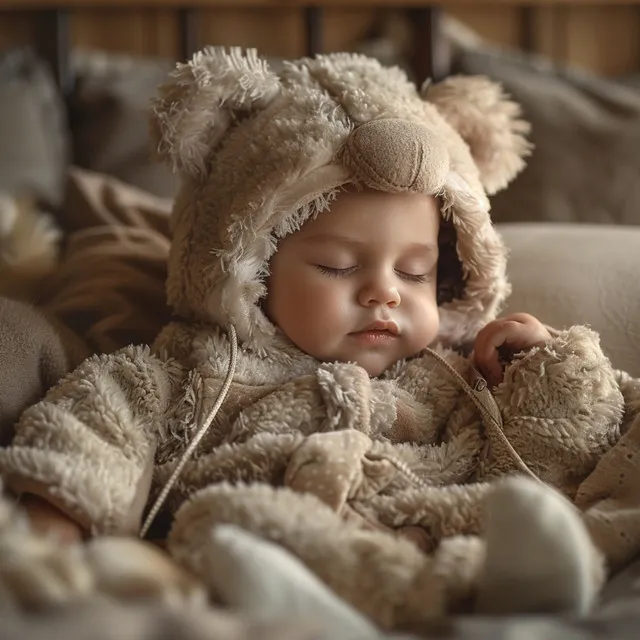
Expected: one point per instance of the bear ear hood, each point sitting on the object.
(260, 153)
(489, 123)
(202, 100)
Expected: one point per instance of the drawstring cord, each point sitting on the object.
(488, 407)
(157, 505)
(491, 418)
(479, 394)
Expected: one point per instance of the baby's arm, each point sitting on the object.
(609, 495)
(85, 453)
(561, 407)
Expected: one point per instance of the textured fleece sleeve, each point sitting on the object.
(630, 389)
(561, 407)
(88, 446)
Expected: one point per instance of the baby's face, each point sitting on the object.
(358, 283)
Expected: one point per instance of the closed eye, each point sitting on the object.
(412, 277)
(335, 273)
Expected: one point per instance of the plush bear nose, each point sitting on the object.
(391, 154)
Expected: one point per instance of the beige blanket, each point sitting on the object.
(32, 359)
(107, 292)
(109, 288)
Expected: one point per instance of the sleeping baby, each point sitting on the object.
(336, 282)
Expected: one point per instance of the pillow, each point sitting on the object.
(33, 136)
(586, 130)
(580, 274)
(110, 110)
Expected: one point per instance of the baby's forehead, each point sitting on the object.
(415, 247)
(374, 215)
(365, 243)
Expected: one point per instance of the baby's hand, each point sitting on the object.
(45, 519)
(500, 339)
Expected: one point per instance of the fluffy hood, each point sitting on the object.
(261, 152)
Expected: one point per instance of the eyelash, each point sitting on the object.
(412, 277)
(335, 273)
(340, 273)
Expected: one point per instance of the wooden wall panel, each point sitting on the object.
(550, 32)
(602, 38)
(344, 27)
(138, 31)
(281, 32)
(276, 32)
(498, 24)
(16, 28)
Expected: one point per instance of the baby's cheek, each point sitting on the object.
(425, 325)
(330, 306)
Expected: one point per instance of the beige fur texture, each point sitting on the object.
(378, 485)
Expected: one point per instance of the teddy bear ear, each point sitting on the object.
(203, 99)
(488, 121)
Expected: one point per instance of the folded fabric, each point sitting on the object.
(33, 358)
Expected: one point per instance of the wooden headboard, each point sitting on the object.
(53, 36)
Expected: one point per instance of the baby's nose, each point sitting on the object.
(379, 294)
(390, 154)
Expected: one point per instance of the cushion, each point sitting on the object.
(586, 130)
(33, 137)
(110, 110)
(577, 274)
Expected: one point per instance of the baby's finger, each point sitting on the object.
(492, 370)
(517, 336)
(522, 318)
(487, 359)
(489, 339)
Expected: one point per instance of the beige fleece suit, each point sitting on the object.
(378, 484)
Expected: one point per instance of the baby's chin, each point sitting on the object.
(375, 364)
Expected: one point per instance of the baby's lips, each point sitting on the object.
(382, 325)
